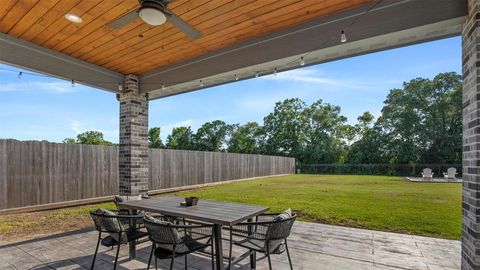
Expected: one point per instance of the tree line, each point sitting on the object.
(419, 123)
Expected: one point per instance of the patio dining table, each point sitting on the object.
(217, 213)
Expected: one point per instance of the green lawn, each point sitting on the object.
(372, 202)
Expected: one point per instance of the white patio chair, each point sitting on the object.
(427, 173)
(451, 173)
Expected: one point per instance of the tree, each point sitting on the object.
(312, 133)
(180, 138)
(419, 123)
(325, 134)
(423, 121)
(444, 120)
(154, 140)
(212, 136)
(369, 144)
(284, 128)
(246, 139)
(69, 141)
(89, 137)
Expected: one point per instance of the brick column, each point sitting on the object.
(133, 154)
(471, 139)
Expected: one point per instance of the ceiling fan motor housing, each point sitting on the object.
(157, 4)
(153, 12)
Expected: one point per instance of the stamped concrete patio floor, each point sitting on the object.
(313, 246)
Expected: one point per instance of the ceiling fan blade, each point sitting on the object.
(124, 20)
(183, 25)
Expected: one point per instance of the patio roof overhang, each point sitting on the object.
(274, 36)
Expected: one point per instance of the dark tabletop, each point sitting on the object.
(222, 213)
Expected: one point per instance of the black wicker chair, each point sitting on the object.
(267, 235)
(170, 241)
(121, 229)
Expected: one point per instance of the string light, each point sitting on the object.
(302, 61)
(343, 37)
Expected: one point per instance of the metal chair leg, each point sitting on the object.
(150, 258)
(118, 250)
(186, 262)
(173, 258)
(213, 256)
(172, 262)
(288, 254)
(96, 249)
(230, 252)
(268, 256)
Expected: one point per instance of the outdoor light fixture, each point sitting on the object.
(120, 87)
(302, 61)
(73, 83)
(236, 77)
(201, 83)
(256, 74)
(73, 18)
(343, 37)
(152, 16)
(163, 86)
(275, 72)
(19, 76)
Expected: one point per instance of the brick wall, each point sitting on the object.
(471, 140)
(133, 152)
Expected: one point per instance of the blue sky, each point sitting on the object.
(44, 108)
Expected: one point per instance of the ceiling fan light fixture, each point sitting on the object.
(152, 16)
(73, 18)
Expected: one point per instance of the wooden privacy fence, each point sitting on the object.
(36, 173)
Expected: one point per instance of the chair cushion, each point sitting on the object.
(111, 224)
(286, 214)
(176, 235)
(189, 245)
(254, 244)
(130, 236)
(276, 247)
(109, 241)
(164, 220)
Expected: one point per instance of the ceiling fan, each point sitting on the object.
(155, 12)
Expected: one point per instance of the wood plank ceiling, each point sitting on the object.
(137, 47)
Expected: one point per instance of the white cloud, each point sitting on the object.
(108, 134)
(76, 126)
(167, 129)
(369, 100)
(185, 123)
(304, 75)
(50, 87)
(313, 76)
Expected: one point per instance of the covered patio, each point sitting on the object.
(313, 246)
(106, 45)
